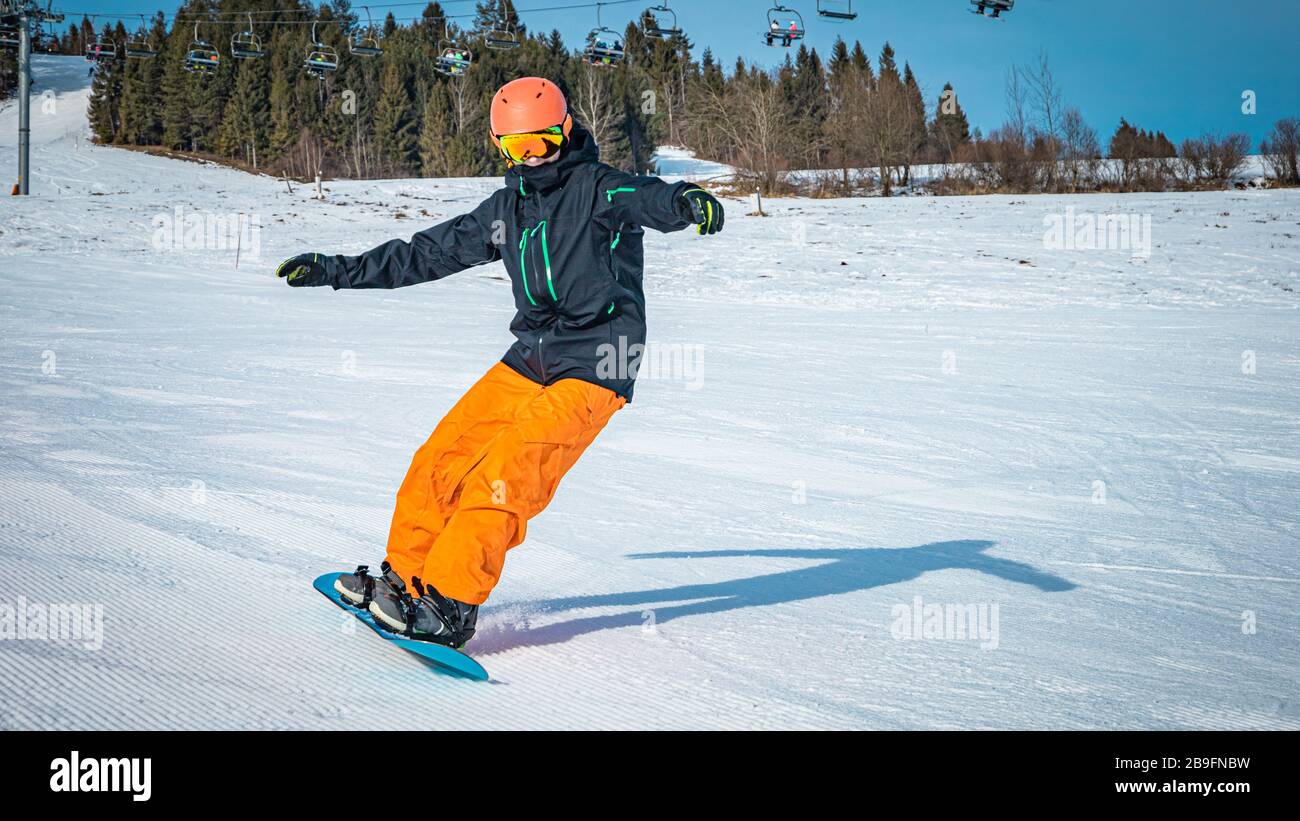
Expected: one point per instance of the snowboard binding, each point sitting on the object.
(430, 616)
(358, 589)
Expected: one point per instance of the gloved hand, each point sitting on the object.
(701, 208)
(304, 270)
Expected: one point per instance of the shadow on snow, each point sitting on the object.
(841, 570)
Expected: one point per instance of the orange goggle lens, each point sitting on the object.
(519, 147)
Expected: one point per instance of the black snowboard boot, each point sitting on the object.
(360, 588)
(428, 617)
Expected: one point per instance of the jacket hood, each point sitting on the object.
(579, 149)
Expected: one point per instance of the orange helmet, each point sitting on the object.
(528, 104)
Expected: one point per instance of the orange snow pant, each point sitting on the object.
(492, 464)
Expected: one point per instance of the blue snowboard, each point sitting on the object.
(444, 658)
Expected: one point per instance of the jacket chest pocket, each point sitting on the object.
(535, 265)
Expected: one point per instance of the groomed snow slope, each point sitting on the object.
(899, 398)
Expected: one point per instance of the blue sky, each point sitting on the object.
(1176, 65)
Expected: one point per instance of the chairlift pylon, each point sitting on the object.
(783, 32)
(246, 45)
(660, 22)
(366, 44)
(322, 59)
(838, 10)
(201, 57)
(995, 6)
(139, 47)
(454, 59)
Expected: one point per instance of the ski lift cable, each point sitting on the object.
(218, 17)
(260, 12)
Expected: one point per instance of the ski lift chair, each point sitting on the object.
(322, 59)
(604, 47)
(502, 38)
(453, 59)
(246, 45)
(366, 44)
(836, 10)
(201, 57)
(995, 6)
(139, 47)
(661, 22)
(103, 50)
(783, 33)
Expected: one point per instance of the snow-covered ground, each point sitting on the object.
(897, 401)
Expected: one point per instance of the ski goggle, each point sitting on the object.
(543, 144)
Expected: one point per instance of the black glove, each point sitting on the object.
(701, 208)
(304, 270)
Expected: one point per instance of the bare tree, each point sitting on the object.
(1281, 151)
(1038, 85)
(888, 133)
(1212, 159)
(753, 116)
(845, 125)
(763, 111)
(596, 107)
(1016, 100)
(1045, 93)
(1080, 149)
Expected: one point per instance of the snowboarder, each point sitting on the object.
(569, 230)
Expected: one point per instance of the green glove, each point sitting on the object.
(703, 209)
(304, 270)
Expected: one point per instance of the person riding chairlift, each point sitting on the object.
(787, 36)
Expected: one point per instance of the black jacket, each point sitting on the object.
(570, 235)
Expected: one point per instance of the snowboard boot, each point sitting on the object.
(360, 588)
(428, 617)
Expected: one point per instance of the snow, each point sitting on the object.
(896, 399)
(677, 162)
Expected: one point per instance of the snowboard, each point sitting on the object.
(442, 658)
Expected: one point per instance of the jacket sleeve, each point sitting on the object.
(459, 243)
(646, 201)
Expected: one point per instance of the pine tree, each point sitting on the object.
(106, 96)
(246, 121)
(435, 134)
(887, 65)
(916, 125)
(862, 63)
(808, 99)
(839, 61)
(395, 137)
(949, 128)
